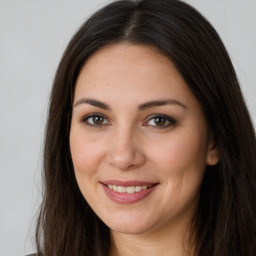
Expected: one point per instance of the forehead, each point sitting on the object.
(127, 71)
(120, 56)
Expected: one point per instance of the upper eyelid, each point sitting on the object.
(148, 118)
(86, 117)
(170, 121)
(161, 115)
(92, 115)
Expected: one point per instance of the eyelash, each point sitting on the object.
(94, 115)
(170, 121)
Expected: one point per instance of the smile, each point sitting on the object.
(130, 190)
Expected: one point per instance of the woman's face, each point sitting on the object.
(139, 140)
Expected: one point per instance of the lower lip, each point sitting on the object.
(128, 198)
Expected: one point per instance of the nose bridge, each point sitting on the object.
(123, 152)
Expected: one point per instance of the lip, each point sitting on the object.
(128, 198)
(128, 183)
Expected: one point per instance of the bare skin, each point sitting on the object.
(135, 121)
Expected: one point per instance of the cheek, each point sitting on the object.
(181, 164)
(85, 154)
(180, 151)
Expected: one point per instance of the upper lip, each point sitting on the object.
(128, 183)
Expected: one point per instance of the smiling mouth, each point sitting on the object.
(129, 190)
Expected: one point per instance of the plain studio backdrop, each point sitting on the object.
(33, 36)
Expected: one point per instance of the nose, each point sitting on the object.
(125, 151)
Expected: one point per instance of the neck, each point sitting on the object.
(168, 242)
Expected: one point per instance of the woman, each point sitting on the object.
(149, 146)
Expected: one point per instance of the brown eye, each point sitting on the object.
(95, 120)
(98, 120)
(160, 121)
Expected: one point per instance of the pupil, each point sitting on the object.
(98, 120)
(160, 120)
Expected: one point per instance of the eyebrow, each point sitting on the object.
(157, 103)
(141, 107)
(92, 102)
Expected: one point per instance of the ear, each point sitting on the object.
(212, 153)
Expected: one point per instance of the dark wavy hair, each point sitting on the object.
(225, 223)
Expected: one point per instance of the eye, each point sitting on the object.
(160, 121)
(95, 120)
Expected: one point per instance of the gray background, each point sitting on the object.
(33, 36)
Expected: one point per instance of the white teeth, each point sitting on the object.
(121, 189)
(129, 190)
(138, 188)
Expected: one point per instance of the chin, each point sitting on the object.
(128, 225)
(132, 229)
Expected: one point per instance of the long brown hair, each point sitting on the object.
(225, 223)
